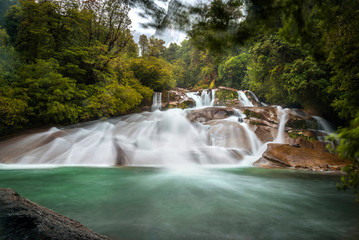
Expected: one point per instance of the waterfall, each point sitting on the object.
(206, 99)
(324, 125)
(213, 92)
(196, 98)
(156, 101)
(243, 99)
(254, 96)
(282, 121)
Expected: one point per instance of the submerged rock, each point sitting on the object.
(23, 219)
(287, 156)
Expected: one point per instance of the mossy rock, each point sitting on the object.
(224, 95)
(301, 124)
(252, 114)
(186, 104)
(296, 123)
(306, 135)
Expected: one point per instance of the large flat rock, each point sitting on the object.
(287, 156)
(23, 219)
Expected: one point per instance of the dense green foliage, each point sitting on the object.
(62, 62)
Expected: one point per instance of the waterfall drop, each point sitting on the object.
(156, 101)
(282, 121)
(243, 99)
(206, 99)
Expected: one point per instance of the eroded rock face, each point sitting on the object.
(26, 220)
(287, 156)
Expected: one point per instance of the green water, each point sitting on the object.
(154, 203)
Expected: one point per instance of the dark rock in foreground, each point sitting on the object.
(287, 156)
(23, 219)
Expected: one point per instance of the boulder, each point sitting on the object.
(287, 156)
(23, 219)
(210, 113)
(177, 98)
(266, 115)
(226, 97)
(265, 134)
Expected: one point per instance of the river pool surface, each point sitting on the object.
(193, 203)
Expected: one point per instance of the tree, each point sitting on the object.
(233, 71)
(143, 44)
(153, 72)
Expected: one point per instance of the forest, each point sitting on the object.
(64, 62)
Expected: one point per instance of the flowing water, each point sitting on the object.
(243, 99)
(156, 101)
(205, 100)
(193, 203)
(198, 183)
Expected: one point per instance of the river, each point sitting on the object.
(194, 202)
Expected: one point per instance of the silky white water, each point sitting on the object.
(206, 99)
(158, 138)
(156, 101)
(164, 138)
(243, 99)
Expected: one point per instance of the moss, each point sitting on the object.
(252, 114)
(183, 105)
(296, 123)
(301, 124)
(296, 135)
(224, 95)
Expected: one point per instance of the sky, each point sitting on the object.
(170, 35)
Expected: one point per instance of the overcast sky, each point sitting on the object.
(137, 29)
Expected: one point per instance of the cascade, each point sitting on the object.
(282, 121)
(156, 101)
(149, 138)
(254, 96)
(243, 99)
(166, 138)
(196, 98)
(324, 125)
(205, 100)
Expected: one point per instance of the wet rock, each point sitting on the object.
(177, 98)
(253, 98)
(226, 97)
(267, 115)
(265, 134)
(210, 113)
(121, 157)
(285, 156)
(23, 219)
